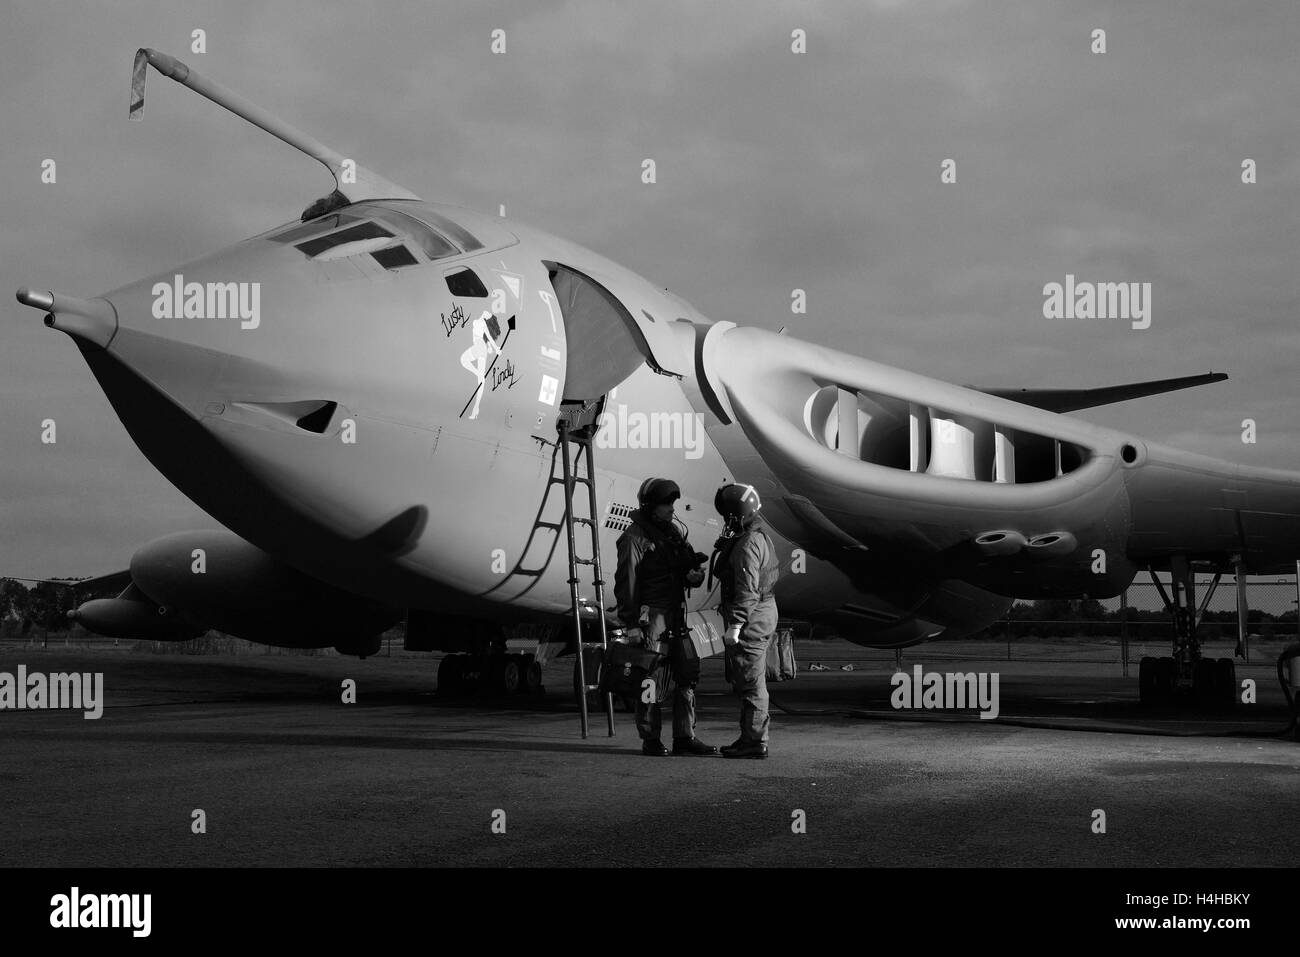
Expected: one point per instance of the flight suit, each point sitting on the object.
(653, 562)
(747, 570)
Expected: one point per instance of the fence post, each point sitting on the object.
(1123, 630)
(1243, 626)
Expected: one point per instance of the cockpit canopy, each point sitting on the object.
(393, 239)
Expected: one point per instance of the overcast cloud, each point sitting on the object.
(775, 171)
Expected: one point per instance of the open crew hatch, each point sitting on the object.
(605, 342)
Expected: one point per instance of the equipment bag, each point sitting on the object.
(626, 666)
(781, 665)
(730, 669)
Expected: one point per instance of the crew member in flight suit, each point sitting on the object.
(655, 567)
(746, 567)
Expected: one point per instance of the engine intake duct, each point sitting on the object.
(883, 429)
(888, 456)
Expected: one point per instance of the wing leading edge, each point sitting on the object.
(1071, 400)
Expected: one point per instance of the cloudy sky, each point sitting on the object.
(819, 171)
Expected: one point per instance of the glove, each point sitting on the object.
(732, 637)
(695, 578)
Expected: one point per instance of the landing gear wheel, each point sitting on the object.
(1225, 683)
(1166, 680)
(532, 675)
(1205, 684)
(1147, 695)
(511, 675)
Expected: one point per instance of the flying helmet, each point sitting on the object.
(657, 491)
(737, 503)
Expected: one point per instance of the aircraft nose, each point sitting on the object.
(91, 322)
(179, 331)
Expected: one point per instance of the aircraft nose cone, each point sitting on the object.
(91, 322)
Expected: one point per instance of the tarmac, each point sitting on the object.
(286, 774)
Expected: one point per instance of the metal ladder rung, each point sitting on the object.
(570, 480)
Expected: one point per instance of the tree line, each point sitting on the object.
(1088, 618)
(44, 605)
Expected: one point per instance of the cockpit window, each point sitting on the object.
(394, 257)
(458, 233)
(313, 228)
(387, 236)
(431, 244)
(417, 234)
(391, 238)
(353, 234)
(465, 282)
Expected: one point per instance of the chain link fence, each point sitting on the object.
(1143, 626)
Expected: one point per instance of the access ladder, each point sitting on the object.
(574, 431)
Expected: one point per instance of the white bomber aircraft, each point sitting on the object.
(379, 402)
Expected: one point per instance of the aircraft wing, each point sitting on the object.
(912, 477)
(1071, 400)
(114, 581)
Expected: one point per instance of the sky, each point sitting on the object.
(775, 170)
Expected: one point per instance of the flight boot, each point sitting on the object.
(693, 747)
(745, 749)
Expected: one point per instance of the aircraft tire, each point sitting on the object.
(1205, 686)
(510, 674)
(1166, 680)
(1225, 684)
(532, 675)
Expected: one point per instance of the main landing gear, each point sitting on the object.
(493, 673)
(1210, 684)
